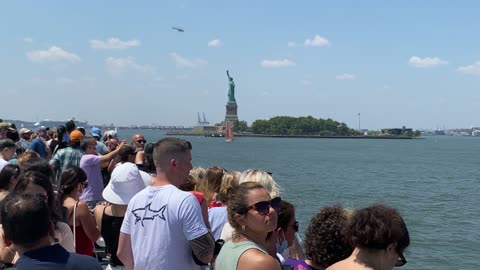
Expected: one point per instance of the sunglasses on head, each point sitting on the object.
(401, 260)
(263, 207)
(141, 141)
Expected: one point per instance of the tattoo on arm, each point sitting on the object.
(203, 246)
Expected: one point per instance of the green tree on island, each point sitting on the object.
(240, 126)
(286, 125)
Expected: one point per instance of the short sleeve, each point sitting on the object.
(191, 218)
(90, 160)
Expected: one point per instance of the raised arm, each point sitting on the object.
(228, 75)
(109, 156)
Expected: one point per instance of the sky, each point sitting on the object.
(396, 63)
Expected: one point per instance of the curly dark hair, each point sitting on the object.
(325, 241)
(376, 227)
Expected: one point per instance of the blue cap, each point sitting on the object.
(42, 128)
(96, 132)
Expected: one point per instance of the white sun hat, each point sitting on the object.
(125, 182)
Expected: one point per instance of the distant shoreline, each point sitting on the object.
(298, 136)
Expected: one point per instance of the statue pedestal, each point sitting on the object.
(231, 114)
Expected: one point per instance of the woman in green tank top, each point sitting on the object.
(252, 214)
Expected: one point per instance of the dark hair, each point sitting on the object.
(86, 142)
(6, 175)
(147, 160)
(238, 201)
(26, 218)
(325, 240)
(148, 149)
(39, 165)
(70, 126)
(13, 135)
(125, 152)
(82, 130)
(376, 227)
(61, 132)
(40, 179)
(285, 214)
(168, 148)
(69, 179)
(7, 143)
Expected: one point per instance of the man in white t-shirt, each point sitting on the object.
(163, 224)
(7, 151)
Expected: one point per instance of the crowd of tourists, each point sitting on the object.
(64, 188)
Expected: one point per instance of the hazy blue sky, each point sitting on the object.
(412, 63)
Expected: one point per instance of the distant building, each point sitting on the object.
(398, 131)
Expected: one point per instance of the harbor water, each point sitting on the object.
(433, 182)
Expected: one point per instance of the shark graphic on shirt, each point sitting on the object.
(146, 213)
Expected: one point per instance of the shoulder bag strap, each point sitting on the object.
(74, 227)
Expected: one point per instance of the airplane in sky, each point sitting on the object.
(178, 29)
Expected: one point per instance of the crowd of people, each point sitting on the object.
(62, 189)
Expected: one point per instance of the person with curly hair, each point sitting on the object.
(325, 242)
(379, 237)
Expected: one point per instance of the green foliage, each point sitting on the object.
(240, 126)
(286, 125)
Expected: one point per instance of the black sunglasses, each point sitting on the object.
(296, 225)
(401, 260)
(141, 141)
(263, 207)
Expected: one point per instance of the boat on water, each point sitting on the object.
(228, 133)
(55, 123)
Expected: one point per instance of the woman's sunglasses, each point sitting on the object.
(401, 260)
(263, 207)
(295, 226)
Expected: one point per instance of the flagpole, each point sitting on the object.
(359, 130)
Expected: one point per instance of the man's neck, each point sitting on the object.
(44, 242)
(161, 179)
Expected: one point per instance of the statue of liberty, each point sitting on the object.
(231, 89)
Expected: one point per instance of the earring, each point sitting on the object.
(243, 227)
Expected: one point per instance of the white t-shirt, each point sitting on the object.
(217, 216)
(227, 232)
(161, 221)
(146, 177)
(3, 162)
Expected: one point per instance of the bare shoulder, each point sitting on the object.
(82, 208)
(254, 259)
(98, 210)
(339, 265)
